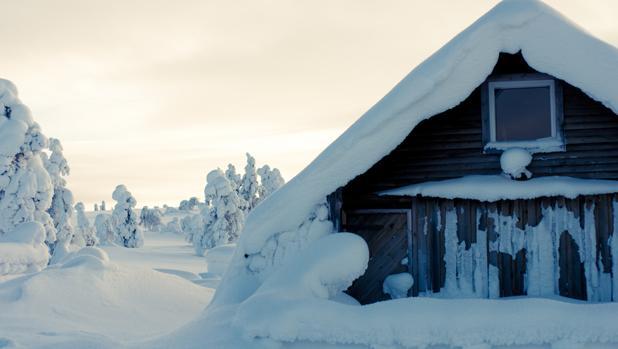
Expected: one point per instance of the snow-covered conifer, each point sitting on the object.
(85, 234)
(249, 185)
(26, 188)
(233, 177)
(126, 230)
(271, 180)
(61, 210)
(224, 219)
(96, 207)
(102, 205)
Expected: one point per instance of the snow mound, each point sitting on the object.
(88, 302)
(218, 258)
(398, 285)
(22, 250)
(514, 162)
(320, 272)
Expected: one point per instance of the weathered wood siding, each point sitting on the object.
(450, 145)
(467, 248)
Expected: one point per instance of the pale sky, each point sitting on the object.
(154, 94)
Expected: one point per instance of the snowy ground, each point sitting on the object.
(89, 303)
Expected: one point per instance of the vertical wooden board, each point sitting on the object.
(441, 240)
(418, 214)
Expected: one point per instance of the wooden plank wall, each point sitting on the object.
(478, 227)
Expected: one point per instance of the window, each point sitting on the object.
(523, 113)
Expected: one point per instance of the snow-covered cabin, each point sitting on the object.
(503, 178)
(423, 184)
(419, 176)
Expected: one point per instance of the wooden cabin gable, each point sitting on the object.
(489, 249)
(451, 144)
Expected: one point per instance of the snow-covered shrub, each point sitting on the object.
(104, 228)
(85, 234)
(223, 220)
(191, 225)
(124, 220)
(173, 226)
(150, 218)
(514, 162)
(188, 205)
(270, 181)
(249, 185)
(26, 188)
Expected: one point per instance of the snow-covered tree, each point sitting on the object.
(249, 185)
(270, 181)
(85, 234)
(233, 177)
(103, 205)
(26, 188)
(224, 219)
(150, 218)
(124, 220)
(61, 210)
(96, 207)
(104, 229)
(188, 205)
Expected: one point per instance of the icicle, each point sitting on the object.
(540, 257)
(590, 248)
(450, 253)
(480, 259)
(614, 251)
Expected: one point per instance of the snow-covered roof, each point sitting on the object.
(549, 42)
(499, 187)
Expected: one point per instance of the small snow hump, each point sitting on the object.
(514, 162)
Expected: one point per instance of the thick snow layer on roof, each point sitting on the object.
(499, 187)
(549, 42)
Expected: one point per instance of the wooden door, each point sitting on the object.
(387, 235)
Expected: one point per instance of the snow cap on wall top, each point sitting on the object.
(550, 44)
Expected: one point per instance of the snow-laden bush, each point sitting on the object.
(124, 220)
(104, 228)
(151, 218)
(270, 181)
(26, 188)
(223, 220)
(249, 185)
(85, 234)
(189, 205)
(173, 226)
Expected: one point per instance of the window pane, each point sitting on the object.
(522, 114)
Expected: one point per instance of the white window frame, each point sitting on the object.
(552, 143)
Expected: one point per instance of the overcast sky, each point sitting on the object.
(154, 94)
